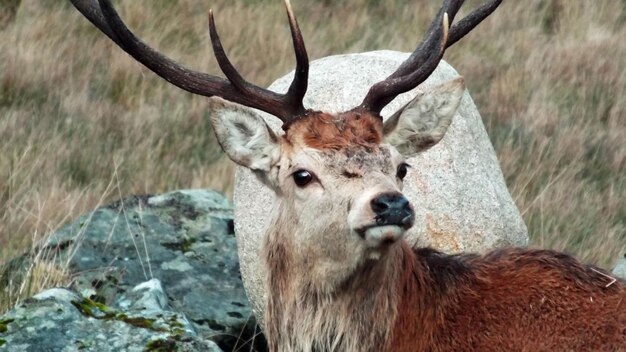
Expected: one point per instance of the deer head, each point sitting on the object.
(338, 175)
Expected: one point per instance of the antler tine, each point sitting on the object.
(417, 57)
(469, 22)
(419, 66)
(429, 53)
(403, 84)
(299, 85)
(458, 31)
(189, 80)
(103, 15)
(92, 10)
(295, 94)
(222, 59)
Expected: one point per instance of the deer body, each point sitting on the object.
(424, 300)
(339, 276)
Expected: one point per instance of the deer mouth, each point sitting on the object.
(380, 236)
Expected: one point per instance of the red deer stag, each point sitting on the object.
(340, 276)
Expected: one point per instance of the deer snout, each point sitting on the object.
(393, 209)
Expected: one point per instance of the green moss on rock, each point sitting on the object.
(97, 310)
(174, 323)
(4, 324)
(82, 345)
(94, 309)
(160, 345)
(140, 322)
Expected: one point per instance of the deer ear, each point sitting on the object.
(424, 121)
(244, 136)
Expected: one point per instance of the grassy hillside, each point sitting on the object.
(82, 124)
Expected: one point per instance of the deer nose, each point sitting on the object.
(393, 209)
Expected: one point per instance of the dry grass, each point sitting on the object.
(549, 77)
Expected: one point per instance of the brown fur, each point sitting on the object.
(334, 132)
(508, 300)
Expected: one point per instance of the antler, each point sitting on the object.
(423, 61)
(286, 107)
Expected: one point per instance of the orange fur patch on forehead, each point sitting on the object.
(325, 131)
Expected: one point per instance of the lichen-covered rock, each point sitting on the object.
(62, 320)
(457, 189)
(185, 239)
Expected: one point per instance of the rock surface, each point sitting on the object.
(457, 188)
(61, 320)
(185, 239)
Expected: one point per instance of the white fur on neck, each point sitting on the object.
(357, 316)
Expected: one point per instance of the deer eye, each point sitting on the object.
(402, 170)
(302, 178)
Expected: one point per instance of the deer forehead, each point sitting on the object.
(336, 132)
(348, 144)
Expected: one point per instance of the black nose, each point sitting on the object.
(393, 209)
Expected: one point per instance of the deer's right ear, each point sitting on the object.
(244, 136)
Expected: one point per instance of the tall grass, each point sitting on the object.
(549, 77)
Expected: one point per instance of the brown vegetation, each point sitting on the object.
(81, 123)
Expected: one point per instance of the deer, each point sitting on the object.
(340, 275)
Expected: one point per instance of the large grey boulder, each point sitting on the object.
(461, 200)
(184, 239)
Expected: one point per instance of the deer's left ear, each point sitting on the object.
(424, 121)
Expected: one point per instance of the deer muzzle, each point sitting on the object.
(393, 209)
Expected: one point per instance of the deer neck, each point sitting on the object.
(358, 315)
(421, 309)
